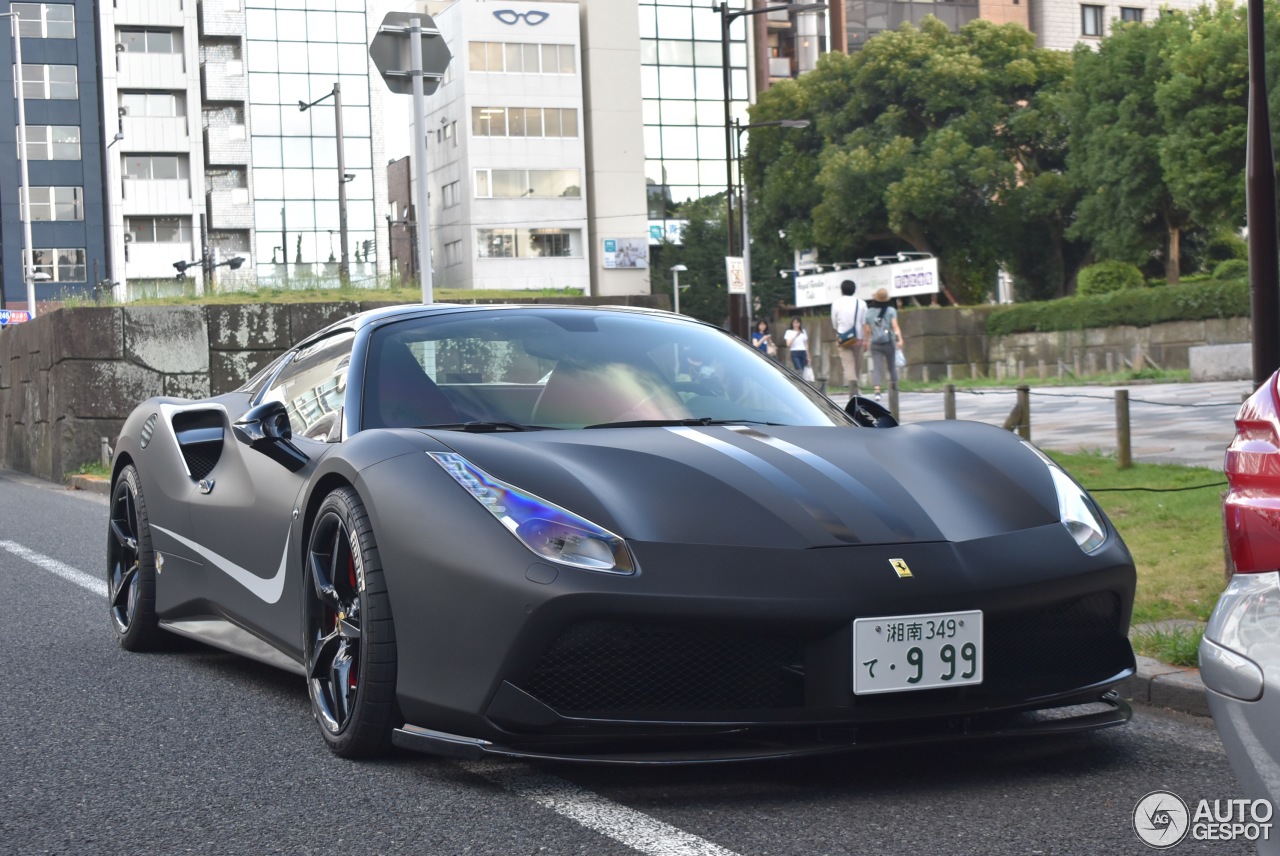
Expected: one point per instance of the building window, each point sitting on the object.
(528, 183)
(450, 194)
(45, 20)
(59, 265)
(520, 58)
(528, 243)
(167, 104)
(49, 81)
(150, 41)
(1130, 15)
(53, 142)
(158, 230)
(155, 167)
(57, 203)
(453, 253)
(524, 122)
(1091, 20)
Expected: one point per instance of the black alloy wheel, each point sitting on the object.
(131, 566)
(351, 652)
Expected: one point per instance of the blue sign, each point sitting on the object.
(13, 316)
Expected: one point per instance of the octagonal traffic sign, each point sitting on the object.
(390, 52)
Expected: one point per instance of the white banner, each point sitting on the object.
(900, 279)
(736, 271)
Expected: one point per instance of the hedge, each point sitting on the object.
(1134, 307)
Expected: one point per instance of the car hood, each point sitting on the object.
(779, 486)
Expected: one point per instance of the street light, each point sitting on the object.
(738, 321)
(208, 264)
(28, 274)
(344, 268)
(742, 200)
(676, 270)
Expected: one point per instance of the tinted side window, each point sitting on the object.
(313, 386)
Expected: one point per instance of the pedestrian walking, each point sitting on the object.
(848, 318)
(797, 340)
(762, 341)
(883, 338)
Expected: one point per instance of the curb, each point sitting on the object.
(1173, 687)
(90, 484)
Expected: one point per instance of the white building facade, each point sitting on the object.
(506, 149)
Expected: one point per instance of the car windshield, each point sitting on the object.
(576, 368)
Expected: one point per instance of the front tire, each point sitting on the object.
(351, 645)
(131, 567)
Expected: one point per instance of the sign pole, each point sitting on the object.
(420, 159)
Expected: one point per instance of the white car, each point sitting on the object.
(1240, 653)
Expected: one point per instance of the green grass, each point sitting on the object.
(93, 469)
(173, 293)
(1177, 647)
(1175, 536)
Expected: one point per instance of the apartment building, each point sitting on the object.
(212, 151)
(64, 151)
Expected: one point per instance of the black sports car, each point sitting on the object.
(612, 535)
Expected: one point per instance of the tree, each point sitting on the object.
(1126, 206)
(926, 140)
(701, 250)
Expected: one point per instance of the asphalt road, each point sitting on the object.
(196, 751)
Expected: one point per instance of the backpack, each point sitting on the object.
(881, 333)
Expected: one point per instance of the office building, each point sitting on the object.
(64, 151)
(534, 149)
(214, 152)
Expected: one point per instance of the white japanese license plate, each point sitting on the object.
(916, 652)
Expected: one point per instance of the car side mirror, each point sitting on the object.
(266, 429)
(868, 413)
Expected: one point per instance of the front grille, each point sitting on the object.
(601, 666)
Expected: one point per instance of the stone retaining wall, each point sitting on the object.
(72, 376)
(938, 339)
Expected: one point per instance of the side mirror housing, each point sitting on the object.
(868, 413)
(266, 429)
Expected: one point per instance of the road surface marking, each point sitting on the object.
(626, 826)
(53, 566)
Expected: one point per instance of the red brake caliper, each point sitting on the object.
(351, 576)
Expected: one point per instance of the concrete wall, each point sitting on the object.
(938, 339)
(71, 377)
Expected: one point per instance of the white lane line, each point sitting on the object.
(634, 829)
(53, 566)
(626, 826)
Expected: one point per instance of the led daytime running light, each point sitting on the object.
(545, 528)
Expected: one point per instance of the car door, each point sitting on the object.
(245, 521)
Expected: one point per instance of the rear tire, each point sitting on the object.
(131, 567)
(350, 641)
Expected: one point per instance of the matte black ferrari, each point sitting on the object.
(612, 535)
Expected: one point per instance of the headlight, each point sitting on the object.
(1075, 508)
(544, 527)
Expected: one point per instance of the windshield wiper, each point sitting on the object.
(698, 422)
(478, 427)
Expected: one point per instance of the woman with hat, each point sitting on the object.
(883, 337)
